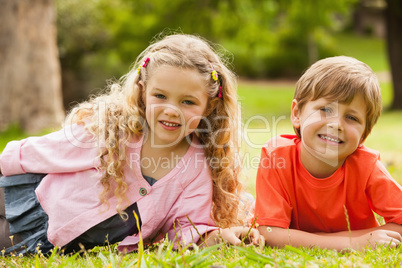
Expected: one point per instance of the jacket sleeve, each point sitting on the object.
(191, 216)
(70, 149)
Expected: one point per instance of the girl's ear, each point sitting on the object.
(295, 114)
(212, 104)
(141, 88)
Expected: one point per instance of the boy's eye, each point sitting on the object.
(325, 109)
(351, 117)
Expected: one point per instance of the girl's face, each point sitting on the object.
(176, 100)
(330, 132)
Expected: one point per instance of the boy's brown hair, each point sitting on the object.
(340, 79)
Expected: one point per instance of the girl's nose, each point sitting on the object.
(171, 110)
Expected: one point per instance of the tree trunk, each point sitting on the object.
(30, 82)
(393, 15)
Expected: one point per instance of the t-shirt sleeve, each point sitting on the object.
(272, 206)
(70, 149)
(385, 194)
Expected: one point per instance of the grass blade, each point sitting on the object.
(251, 254)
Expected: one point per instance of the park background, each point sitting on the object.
(54, 54)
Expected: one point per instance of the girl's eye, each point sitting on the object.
(188, 102)
(160, 96)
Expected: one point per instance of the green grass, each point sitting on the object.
(265, 99)
(14, 132)
(265, 113)
(370, 50)
(162, 255)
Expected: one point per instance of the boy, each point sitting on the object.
(328, 184)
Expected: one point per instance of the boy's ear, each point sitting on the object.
(361, 143)
(212, 104)
(295, 114)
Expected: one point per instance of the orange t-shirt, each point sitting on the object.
(289, 197)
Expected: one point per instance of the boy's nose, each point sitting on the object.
(335, 125)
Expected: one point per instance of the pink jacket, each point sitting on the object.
(70, 192)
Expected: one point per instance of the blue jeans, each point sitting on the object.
(24, 214)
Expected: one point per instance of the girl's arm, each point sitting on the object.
(359, 240)
(70, 149)
(192, 217)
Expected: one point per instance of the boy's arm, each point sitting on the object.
(279, 237)
(389, 227)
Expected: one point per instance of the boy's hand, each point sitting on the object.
(375, 238)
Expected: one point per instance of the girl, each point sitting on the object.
(161, 145)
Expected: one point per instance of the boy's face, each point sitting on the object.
(330, 132)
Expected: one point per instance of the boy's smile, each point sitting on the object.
(330, 132)
(330, 139)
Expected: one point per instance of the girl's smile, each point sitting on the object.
(170, 125)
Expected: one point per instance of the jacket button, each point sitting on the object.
(143, 191)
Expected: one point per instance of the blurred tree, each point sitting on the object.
(102, 38)
(270, 38)
(30, 87)
(80, 35)
(267, 38)
(304, 32)
(393, 17)
(134, 23)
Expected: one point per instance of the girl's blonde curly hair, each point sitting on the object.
(119, 115)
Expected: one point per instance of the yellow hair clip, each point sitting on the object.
(216, 78)
(215, 75)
